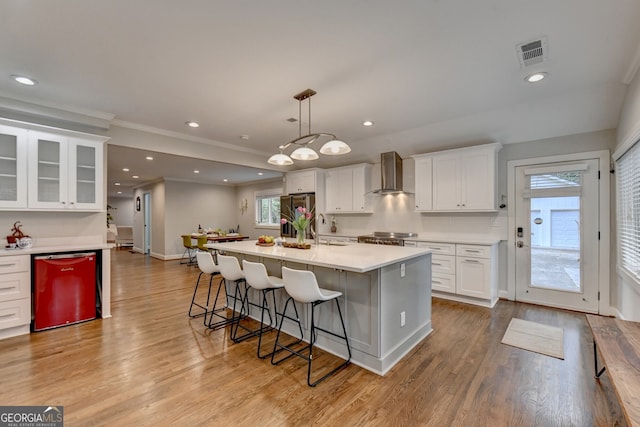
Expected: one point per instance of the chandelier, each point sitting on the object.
(332, 147)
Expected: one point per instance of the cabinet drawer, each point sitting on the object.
(15, 313)
(439, 248)
(445, 264)
(15, 286)
(14, 264)
(443, 282)
(476, 251)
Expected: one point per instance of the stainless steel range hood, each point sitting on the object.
(391, 173)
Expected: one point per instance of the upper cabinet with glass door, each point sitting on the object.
(13, 167)
(65, 172)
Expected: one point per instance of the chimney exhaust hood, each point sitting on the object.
(391, 173)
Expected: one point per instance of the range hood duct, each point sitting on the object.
(391, 173)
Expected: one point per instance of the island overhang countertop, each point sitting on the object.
(356, 257)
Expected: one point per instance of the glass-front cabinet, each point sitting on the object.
(45, 168)
(13, 167)
(65, 172)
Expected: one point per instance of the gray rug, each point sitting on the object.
(536, 337)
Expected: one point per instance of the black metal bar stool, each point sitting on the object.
(231, 272)
(302, 286)
(258, 278)
(206, 266)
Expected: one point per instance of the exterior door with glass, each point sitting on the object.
(557, 236)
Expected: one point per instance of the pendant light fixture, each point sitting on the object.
(332, 147)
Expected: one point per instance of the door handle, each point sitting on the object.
(519, 244)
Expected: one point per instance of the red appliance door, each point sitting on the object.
(64, 289)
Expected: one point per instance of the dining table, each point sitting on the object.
(217, 238)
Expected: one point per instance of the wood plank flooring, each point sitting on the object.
(151, 365)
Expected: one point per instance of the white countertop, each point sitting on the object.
(463, 240)
(55, 249)
(357, 257)
(432, 237)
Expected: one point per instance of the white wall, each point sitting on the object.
(68, 227)
(395, 212)
(189, 204)
(247, 220)
(122, 210)
(625, 296)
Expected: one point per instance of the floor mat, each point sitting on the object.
(536, 337)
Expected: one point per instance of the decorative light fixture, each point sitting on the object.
(332, 147)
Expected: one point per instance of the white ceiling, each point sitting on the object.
(431, 74)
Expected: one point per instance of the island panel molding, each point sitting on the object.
(386, 295)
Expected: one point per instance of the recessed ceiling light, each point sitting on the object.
(196, 171)
(27, 81)
(192, 124)
(244, 137)
(149, 158)
(116, 183)
(119, 192)
(260, 173)
(535, 77)
(125, 169)
(225, 180)
(367, 123)
(135, 177)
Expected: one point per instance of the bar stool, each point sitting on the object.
(231, 272)
(206, 266)
(258, 278)
(302, 286)
(189, 251)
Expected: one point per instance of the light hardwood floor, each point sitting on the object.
(151, 365)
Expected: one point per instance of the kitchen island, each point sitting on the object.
(386, 295)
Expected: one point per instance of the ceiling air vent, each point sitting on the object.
(533, 52)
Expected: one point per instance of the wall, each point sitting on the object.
(60, 227)
(189, 205)
(122, 210)
(395, 212)
(247, 220)
(625, 297)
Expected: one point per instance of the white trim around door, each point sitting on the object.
(604, 206)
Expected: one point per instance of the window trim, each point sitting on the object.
(273, 192)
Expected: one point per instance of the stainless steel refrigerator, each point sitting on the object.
(288, 209)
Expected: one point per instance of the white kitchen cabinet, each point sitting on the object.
(423, 183)
(347, 188)
(15, 295)
(303, 181)
(476, 271)
(463, 272)
(443, 265)
(13, 167)
(465, 179)
(65, 172)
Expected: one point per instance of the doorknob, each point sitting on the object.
(519, 243)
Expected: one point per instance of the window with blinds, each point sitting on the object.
(628, 211)
(554, 181)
